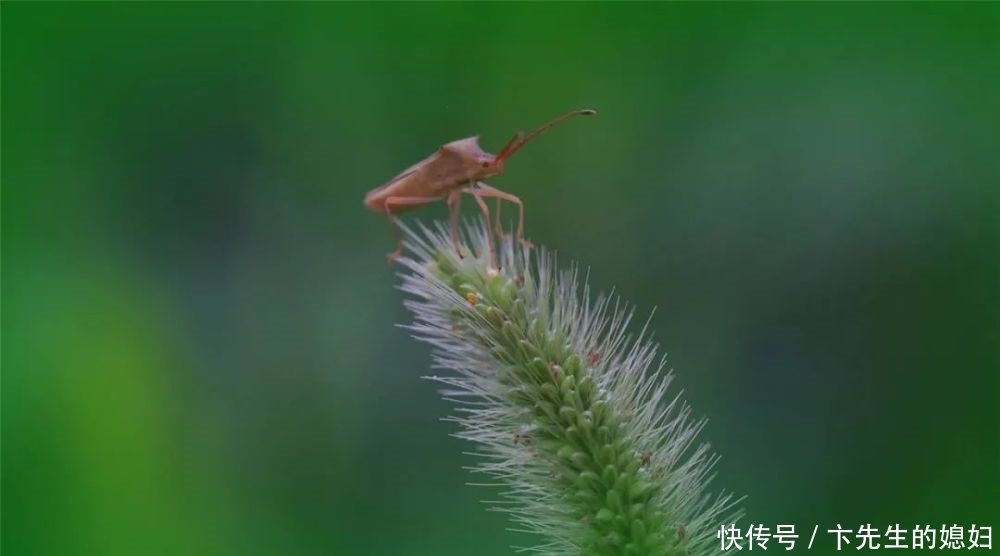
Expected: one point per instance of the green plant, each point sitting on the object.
(569, 411)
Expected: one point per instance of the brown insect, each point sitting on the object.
(457, 167)
(594, 357)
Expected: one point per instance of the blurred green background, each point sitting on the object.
(200, 354)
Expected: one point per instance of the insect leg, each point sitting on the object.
(477, 195)
(499, 223)
(401, 202)
(453, 200)
(487, 191)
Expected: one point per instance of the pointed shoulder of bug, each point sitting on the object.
(469, 146)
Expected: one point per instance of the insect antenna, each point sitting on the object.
(520, 139)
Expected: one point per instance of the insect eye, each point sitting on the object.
(484, 163)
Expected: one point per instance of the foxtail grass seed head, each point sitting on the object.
(570, 412)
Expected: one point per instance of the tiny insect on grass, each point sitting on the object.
(455, 168)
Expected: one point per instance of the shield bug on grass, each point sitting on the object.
(455, 168)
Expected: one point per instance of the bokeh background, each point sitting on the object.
(199, 350)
